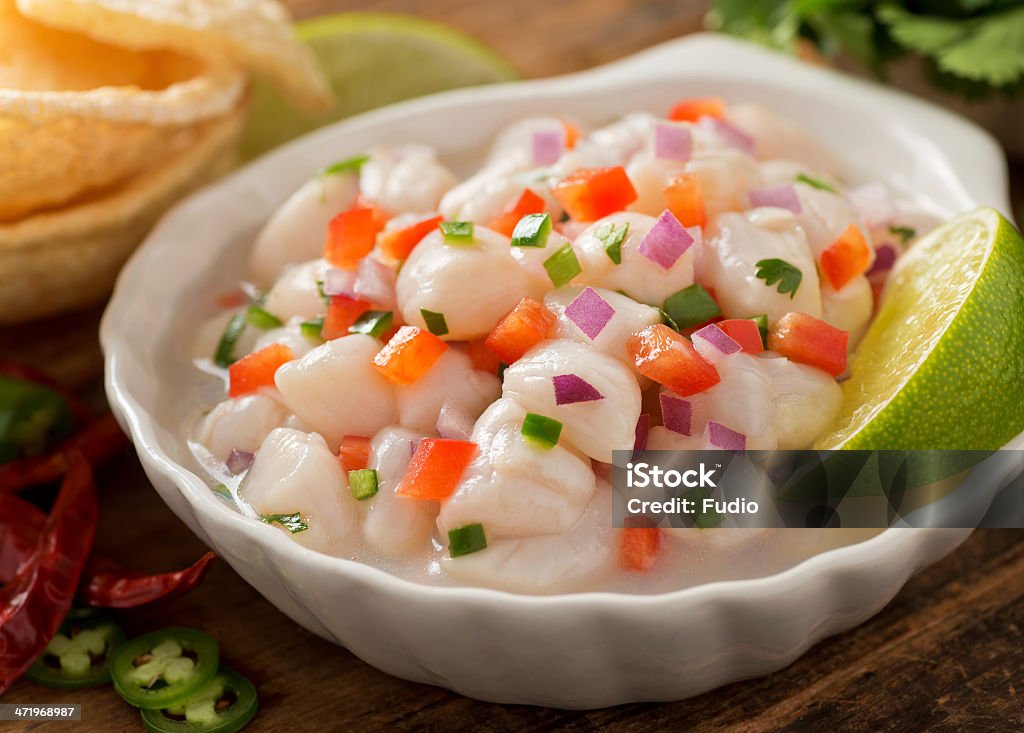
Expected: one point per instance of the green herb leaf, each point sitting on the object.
(363, 483)
(457, 232)
(223, 492)
(373, 323)
(263, 319)
(466, 540)
(904, 233)
(353, 164)
(562, 266)
(311, 330)
(612, 236)
(532, 230)
(224, 355)
(320, 289)
(541, 430)
(815, 182)
(292, 522)
(435, 322)
(690, 307)
(774, 271)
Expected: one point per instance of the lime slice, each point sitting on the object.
(941, 367)
(372, 59)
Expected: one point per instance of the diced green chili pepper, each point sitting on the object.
(562, 266)
(224, 705)
(435, 322)
(363, 483)
(532, 230)
(311, 330)
(466, 540)
(292, 522)
(224, 355)
(762, 327)
(262, 319)
(164, 668)
(373, 323)
(457, 232)
(541, 430)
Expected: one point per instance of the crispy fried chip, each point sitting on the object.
(254, 34)
(54, 261)
(78, 115)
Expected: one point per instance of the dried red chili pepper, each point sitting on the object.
(20, 525)
(34, 603)
(96, 442)
(108, 584)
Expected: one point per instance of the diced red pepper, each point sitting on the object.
(639, 548)
(527, 203)
(399, 243)
(846, 258)
(691, 110)
(409, 355)
(670, 360)
(354, 452)
(380, 217)
(436, 468)
(744, 332)
(343, 311)
(482, 357)
(684, 197)
(572, 134)
(257, 369)
(589, 194)
(350, 237)
(810, 341)
(232, 299)
(523, 328)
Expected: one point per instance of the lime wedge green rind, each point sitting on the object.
(371, 60)
(941, 367)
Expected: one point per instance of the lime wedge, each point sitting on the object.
(942, 366)
(372, 59)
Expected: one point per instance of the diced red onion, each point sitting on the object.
(239, 461)
(874, 204)
(718, 339)
(590, 312)
(339, 282)
(676, 414)
(548, 146)
(666, 242)
(643, 429)
(672, 142)
(885, 258)
(571, 388)
(733, 136)
(454, 422)
(782, 197)
(726, 439)
(375, 282)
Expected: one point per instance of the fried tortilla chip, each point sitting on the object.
(254, 34)
(78, 115)
(55, 261)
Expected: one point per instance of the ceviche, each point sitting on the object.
(430, 374)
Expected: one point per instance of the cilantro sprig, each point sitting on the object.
(972, 47)
(774, 271)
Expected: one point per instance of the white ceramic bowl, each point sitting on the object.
(575, 651)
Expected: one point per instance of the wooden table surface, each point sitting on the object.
(947, 654)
